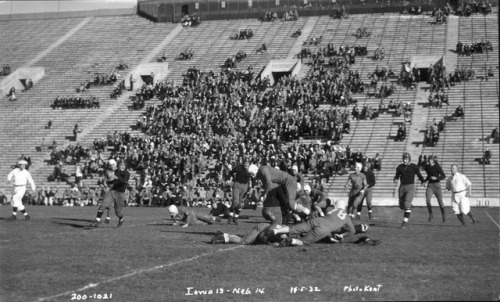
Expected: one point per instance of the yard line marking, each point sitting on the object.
(146, 270)
(498, 225)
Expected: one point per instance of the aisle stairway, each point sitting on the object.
(419, 121)
(451, 43)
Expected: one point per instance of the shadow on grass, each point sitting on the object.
(74, 219)
(74, 225)
(396, 225)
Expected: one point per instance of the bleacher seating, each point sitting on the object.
(102, 42)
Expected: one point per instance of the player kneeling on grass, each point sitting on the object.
(317, 229)
(191, 216)
(260, 234)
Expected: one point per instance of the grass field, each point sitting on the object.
(54, 257)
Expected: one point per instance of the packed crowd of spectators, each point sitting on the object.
(77, 101)
(476, 47)
(191, 127)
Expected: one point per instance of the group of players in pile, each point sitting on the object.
(285, 198)
(320, 219)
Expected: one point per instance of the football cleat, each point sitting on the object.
(27, 217)
(120, 222)
(369, 241)
(95, 224)
(12, 218)
(235, 220)
(362, 239)
(403, 225)
(430, 217)
(106, 221)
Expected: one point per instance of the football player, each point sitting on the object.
(318, 199)
(118, 178)
(189, 215)
(269, 176)
(260, 234)
(317, 229)
(405, 176)
(358, 187)
(240, 189)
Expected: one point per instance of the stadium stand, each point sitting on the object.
(96, 44)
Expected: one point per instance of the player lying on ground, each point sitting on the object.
(260, 234)
(190, 216)
(319, 228)
(221, 209)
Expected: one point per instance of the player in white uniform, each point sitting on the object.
(19, 178)
(461, 189)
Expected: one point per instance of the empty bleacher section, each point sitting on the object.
(103, 41)
(479, 98)
(97, 47)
